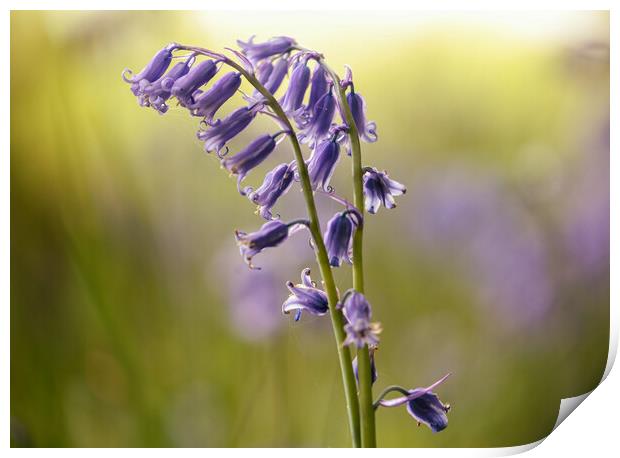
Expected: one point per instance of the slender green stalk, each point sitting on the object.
(367, 412)
(344, 355)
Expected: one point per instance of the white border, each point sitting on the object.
(590, 429)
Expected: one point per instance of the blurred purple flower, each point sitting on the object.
(464, 218)
(585, 220)
(253, 295)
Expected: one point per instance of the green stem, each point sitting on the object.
(367, 411)
(344, 355)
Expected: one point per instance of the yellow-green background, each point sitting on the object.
(121, 332)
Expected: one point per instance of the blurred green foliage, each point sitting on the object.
(121, 333)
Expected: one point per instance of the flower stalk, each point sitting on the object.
(344, 355)
(367, 411)
(265, 65)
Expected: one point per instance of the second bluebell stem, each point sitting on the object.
(367, 411)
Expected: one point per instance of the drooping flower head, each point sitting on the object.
(380, 189)
(423, 405)
(339, 236)
(155, 94)
(305, 296)
(207, 103)
(200, 74)
(258, 51)
(271, 234)
(156, 67)
(360, 331)
(223, 130)
(277, 182)
(249, 157)
(322, 163)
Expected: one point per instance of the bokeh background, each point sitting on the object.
(134, 321)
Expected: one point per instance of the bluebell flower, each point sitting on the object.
(367, 130)
(318, 87)
(359, 329)
(380, 189)
(339, 236)
(263, 70)
(249, 157)
(322, 163)
(294, 96)
(305, 296)
(373, 368)
(259, 51)
(200, 74)
(156, 67)
(219, 133)
(270, 235)
(207, 103)
(276, 76)
(277, 182)
(424, 406)
(320, 121)
(155, 94)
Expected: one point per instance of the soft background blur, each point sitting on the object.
(134, 321)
